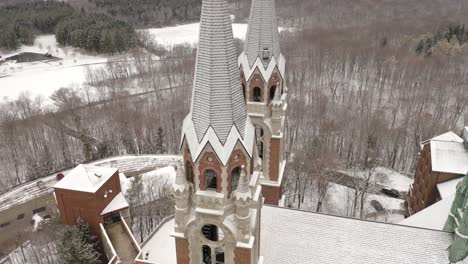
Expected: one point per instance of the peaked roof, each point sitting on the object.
(262, 32)
(86, 178)
(448, 137)
(217, 99)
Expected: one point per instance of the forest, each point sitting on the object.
(20, 23)
(146, 13)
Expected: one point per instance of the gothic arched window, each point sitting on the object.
(235, 175)
(219, 255)
(206, 250)
(272, 92)
(211, 181)
(257, 94)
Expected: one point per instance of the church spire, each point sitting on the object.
(217, 99)
(262, 35)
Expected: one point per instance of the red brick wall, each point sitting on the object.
(271, 194)
(182, 251)
(275, 150)
(241, 256)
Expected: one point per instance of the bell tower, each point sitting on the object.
(262, 69)
(217, 190)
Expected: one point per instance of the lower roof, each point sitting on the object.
(293, 236)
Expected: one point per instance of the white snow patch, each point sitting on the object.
(448, 188)
(188, 34)
(432, 217)
(37, 221)
(117, 203)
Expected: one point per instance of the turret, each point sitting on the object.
(182, 194)
(243, 198)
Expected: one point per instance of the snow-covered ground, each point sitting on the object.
(340, 198)
(43, 78)
(188, 34)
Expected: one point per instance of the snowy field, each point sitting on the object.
(43, 78)
(188, 34)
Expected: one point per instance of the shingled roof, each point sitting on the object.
(262, 32)
(217, 99)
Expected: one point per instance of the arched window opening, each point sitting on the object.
(257, 94)
(235, 175)
(206, 254)
(211, 181)
(272, 92)
(219, 255)
(189, 172)
(212, 233)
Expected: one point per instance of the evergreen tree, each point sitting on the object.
(77, 245)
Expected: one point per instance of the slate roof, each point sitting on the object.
(292, 236)
(217, 99)
(262, 31)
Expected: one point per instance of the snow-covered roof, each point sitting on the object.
(217, 100)
(262, 32)
(432, 217)
(448, 137)
(449, 155)
(119, 202)
(448, 188)
(86, 178)
(293, 236)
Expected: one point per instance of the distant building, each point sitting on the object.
(442, 164)
(94, 195)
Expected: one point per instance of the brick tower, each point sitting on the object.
(262, 69)
(217, 193)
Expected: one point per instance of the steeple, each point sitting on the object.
(262, 74)
(217, 99)
(218, 202)
(262, 39)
